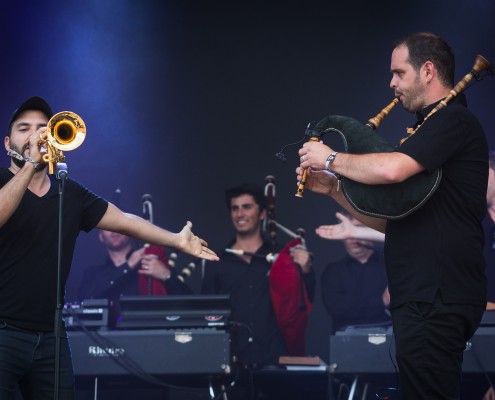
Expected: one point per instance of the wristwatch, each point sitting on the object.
(330, 160)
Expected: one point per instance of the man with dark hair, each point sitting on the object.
(247, 188)
(28, 255)
(430, 47)
(257, 342)
(434, 255)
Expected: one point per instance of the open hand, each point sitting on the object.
(191, 244)
(340, 231)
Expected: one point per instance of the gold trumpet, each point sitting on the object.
(65, 131)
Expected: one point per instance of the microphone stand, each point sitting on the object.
(62, 172)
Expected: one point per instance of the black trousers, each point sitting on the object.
(430, 339)
(27, 358)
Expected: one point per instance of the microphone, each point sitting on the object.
(62, 171)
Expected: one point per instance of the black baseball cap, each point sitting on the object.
(33, 103)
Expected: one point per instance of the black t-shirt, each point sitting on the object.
(248, 286)
(352, 292)
(29, 248)
(440, 246)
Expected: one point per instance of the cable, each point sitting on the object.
(281, 156)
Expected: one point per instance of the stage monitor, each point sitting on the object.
(173, 311)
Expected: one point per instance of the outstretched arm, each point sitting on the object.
(131, 225)
(346, 230)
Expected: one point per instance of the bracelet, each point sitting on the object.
(37, 165)
(15, 154)
(330, 160)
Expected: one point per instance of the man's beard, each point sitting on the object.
(16, 161)
(415, 97)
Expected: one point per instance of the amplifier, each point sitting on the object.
(90, 314)
(173, 311)
(153, 351)
(374, 353)
(361, 351)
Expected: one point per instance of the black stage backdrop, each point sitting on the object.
(183, 99)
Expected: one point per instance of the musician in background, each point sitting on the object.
(120, 274)
(257, 341)
(354, 289)
(434, 256)
(29, 199)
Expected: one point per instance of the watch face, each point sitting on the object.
(330, 159)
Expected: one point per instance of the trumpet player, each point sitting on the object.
(28, 255)
(434, 256)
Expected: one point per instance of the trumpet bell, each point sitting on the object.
(65, 131)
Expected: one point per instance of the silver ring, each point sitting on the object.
(303, 158)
